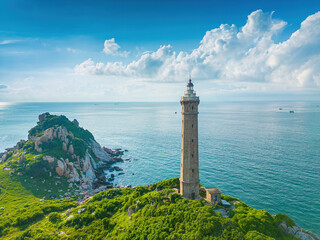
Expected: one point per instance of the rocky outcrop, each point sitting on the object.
(48, 158)
(75, 121)
(98, 151)
(60, 168)
(43, 116)
(297, 232)
(71, 150)
(80, 159)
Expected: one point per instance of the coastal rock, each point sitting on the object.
(303, 236)
(107, 150)
(37, 145)
(283, 226)
(314, 236)
(64, 146)
(49, 133)
(21, 159)
(61, 168)
(71, 150)
(98, 151)
(86, 163)
(43, 116)
(48, 158)
(4, 156)
(75, 121)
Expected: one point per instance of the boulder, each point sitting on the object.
(49, 133)
(37, 145)
(292, 230)
(62, 133)
(314, 235)
(75, 121)
(86, 163)
(283, 226)
(43, 116)
(81, 210)
(60, 169)
(64, 146)
(303, 236)
(3, 157)
(44, 138)
(71, 150)
(107, 150)
(48, 158)
(21, 159)
(98, 151)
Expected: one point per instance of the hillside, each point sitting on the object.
(52, 186)
(153, 212)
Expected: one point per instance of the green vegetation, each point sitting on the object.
(153, 212)
(21, 206)
(55, 121)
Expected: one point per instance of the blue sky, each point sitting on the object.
(144, 50)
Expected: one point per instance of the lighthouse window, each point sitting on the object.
(192, 107)
(192, 125)
(193, 170)
(192, 196)
(192, 140)
(191, 155)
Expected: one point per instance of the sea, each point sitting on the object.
(258, 152)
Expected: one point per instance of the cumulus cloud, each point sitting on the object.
(230, 54)
(112, 48)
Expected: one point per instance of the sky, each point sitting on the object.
(113, 51)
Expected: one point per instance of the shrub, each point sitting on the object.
(174, 197)
(280, 217)
(170, 183)
(28, 217)
(106, 223)
(29, 146)
(79, 147)
(54, 217)
(254, 235)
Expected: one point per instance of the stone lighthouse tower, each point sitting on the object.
(189, 178)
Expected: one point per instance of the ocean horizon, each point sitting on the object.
(258, 152)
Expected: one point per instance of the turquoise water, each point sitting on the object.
(267, 157)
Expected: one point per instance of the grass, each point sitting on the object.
(157, 213)
(22, 205)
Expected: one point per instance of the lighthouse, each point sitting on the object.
(189, 176)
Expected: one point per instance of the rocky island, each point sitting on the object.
(61, 156)
(53, 186)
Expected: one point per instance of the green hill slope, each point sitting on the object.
(153, 212)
